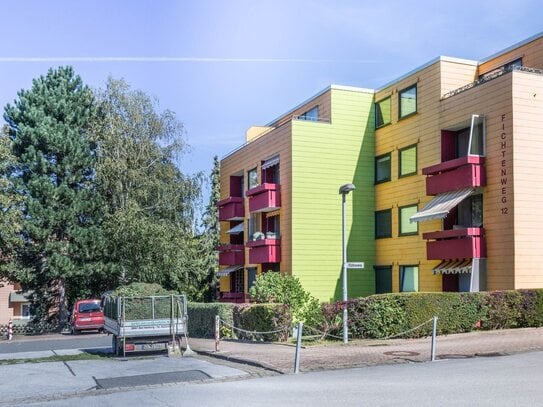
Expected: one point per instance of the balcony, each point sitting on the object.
(264, 251)
(231, 209)
(463, 172)
(264, 198)
(232, 297)
(464, 243)
(231, 255)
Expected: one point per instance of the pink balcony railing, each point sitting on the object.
(455, 244)
(463, 172)
(231, 209)
(264, 198)
(264, 251)
(231, 255)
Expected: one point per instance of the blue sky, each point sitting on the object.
(223, 66)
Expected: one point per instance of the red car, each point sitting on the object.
(87, 315)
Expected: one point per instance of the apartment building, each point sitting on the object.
(280, 208)
(445, 159)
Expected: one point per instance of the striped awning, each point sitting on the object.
(236, 229)
(226, 271)
(17, 296)
(270, 162)
(440, 206)
(454, 266)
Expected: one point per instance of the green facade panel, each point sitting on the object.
(324, 157)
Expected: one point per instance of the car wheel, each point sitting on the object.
(75, 331)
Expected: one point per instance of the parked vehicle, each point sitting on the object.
(87, 315)
(145, 323)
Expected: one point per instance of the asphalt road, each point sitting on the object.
(493, 381)
(87, 340)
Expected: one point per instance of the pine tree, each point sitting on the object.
(54, 176)
(211, 236)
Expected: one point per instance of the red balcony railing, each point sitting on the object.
(264, 198)
(464, 243)
(455, 174)
(232, 297)
(231, 209)
(264, 251)
(231, 255)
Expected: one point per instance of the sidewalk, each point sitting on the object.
(280, 357)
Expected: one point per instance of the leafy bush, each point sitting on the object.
(202, 319)
(263, 318)
(140, 290)
(380, 316)
(272, 287)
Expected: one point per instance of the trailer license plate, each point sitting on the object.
(153, 346)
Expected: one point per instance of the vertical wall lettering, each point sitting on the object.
(504, 171)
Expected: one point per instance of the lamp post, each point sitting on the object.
(344, 190)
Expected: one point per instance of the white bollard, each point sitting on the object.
(298, 347)
(10, 330)
(217, 333)
(434, 329)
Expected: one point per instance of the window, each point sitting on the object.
(406, 227)
(407, 101)
(477, 136)
(510, 66)
(251, 277)
(312, 114)
(407, 161)
(270, 170)
(382, 112)
(252, 178)
(409, 279)
(25, 311)
(383, 224)
(383, 279)
(382, 168)
(255, 228)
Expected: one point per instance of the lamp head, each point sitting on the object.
(345, 189)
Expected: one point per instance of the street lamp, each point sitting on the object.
(344, 190)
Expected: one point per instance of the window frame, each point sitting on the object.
(404, 90)
(389, 230)
(310, 117)
(400, 151)
(383, 269)
(402, 275)
(389, 99)
(249, 185)
(400, 233)
(389, 155)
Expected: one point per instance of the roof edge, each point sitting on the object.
(426, 65)
(512, 47)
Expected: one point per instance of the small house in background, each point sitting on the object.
(13, 303)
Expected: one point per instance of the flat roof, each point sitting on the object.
(338, 87)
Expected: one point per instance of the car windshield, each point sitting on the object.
(89, 307)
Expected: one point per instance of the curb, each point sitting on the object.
(240, 361)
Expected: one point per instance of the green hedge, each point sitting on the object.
(202, 319)
(263, 318)
(249, 317)
(380, 316)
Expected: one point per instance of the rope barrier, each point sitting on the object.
(409, 330)
(253, 332)
(324, 334)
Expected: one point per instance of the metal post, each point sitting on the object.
(434, 329)
(298, 348)
(217, 333)
(344, 273)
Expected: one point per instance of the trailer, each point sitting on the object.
(140, 324)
